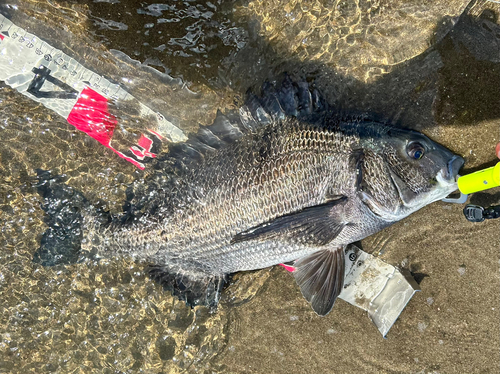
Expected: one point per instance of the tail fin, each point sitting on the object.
(61, 242)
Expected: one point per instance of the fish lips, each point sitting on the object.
(450, 172)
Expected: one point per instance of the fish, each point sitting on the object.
(284, 178)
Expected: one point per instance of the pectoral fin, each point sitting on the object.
(320, 277)
(317, 225)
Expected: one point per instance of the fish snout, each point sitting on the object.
(453, 167)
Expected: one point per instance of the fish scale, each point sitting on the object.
(298, 180)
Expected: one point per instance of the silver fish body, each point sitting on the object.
(284, 169)
(280, 182)
(284, 193)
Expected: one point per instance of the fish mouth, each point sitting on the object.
(448, 176)
(450, 172)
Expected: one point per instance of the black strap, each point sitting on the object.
(492, 212)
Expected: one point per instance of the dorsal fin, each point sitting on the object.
(276, 102)
(209, 138)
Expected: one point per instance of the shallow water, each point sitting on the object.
(415, 64)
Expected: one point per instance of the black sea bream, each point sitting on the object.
(284, 179)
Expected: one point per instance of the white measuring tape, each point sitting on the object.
(56, 80)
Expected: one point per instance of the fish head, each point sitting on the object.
(404, 170)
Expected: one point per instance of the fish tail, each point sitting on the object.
(65, 210)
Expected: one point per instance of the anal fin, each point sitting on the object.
(320, 277)
(192, 287)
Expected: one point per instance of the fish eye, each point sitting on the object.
(415, 151)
